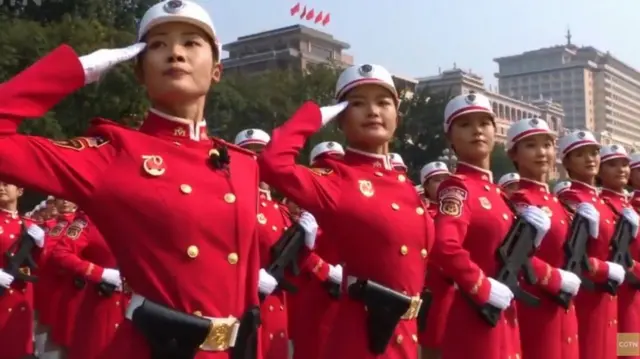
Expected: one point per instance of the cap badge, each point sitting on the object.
(173, 6)
(533, 123)
(331, 145)
(581, 134)
(366, 70)
(470, 99)
(249, 133)
(437, 164)
(614, 148)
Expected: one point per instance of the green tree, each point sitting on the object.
(501, 164)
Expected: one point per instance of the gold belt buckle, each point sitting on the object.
(219, 337)
(25, 270)
(414, 308)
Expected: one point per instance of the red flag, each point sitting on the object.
(319, 17)
(326, 20)
(294, 10)
(310, 15)
(304, 12)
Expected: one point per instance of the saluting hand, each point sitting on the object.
(591, 214)
(34, 231)
(331, 112)
(97, 63)
(308, 222)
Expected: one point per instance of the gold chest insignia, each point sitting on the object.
(261, 218)
(366, 188)
(485, 203)
(74, 231)
(451, 206)
(153, 165)
(179, 131)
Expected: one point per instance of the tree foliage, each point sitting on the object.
(236, 103)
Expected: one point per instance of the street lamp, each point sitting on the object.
(449, 157)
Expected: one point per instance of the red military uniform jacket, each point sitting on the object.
(273, 219)
(547, 331)
(182, 230)
(596, 310)
(71, 285)
(471, 224)
(442, 292)
(85, 255)
(374, 217)
(16, 304)
(51, 278)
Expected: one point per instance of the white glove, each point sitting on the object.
(5, 279)
(632, 216)
(112, 276)
(591, 214)
(335, 274)
(266, 283)
(98, 62)
(539, 220)
(330, 112)
(37, 233)
(616, 272)
(569, 282)
(500, 295)
(310, 226)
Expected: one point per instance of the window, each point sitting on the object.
(321, 52)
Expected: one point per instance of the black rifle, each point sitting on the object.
(284, 255)
(423, 314)
(620, 243)
(514, 254)
(576, 257)
(332, 288)
(19, 256)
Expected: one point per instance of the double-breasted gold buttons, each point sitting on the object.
(420, 211)
(404, 250)
(185, 188)
(395, 206)
(230, 198)
(193, 251)
(232, 258)
(424, 253)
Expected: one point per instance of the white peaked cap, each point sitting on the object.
(419, 189)
(252, 136)
(396, 160)
(43, 204)
(178, 11)
(611, 152)
(635, 160)
(524, 128)
(431, 169)
(465, 104)
(508, 179)
(576, 140)
(50, 198)
(328, 147)
(561, 187)
(357, 75)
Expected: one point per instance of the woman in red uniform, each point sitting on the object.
(85, 255)
(369, 210)
(441, 288)
(596, 310)
(547, 331)
(614, 175)
(509, 182)
(472, 222)
(177, 207)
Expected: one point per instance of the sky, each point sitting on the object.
(415, 38)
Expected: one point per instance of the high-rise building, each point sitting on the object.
(598, 92)
(292, 47)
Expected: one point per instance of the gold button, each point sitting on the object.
(606, 221)
(274, 228)
(271, 308)
(214, 153)
(505, 216)
(402, 178)
(117, 303)
(545, 198)
(555, 199)
(414, 337)
(193, 251)
(263, 204)
(404, 250)
(282, 308)
(615, 321)
(399, 339)
(197, 313)
(230, 198)
(10, 310)
(423, 253)
(271, 336)
(116, 325)
(395, 206)
(486, 187)
(232, 258)
(562, 221)
(569, 340)
(281, 334)
(10, 291)
(177, 143)
(276, 206)
(378, 174)
(517, 356)
(420, 211)
(497, 190)
(261, 218)
(594, 199)
(185, 188)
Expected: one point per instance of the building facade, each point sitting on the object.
(507, 109)
(598, 92)
(292, 47)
